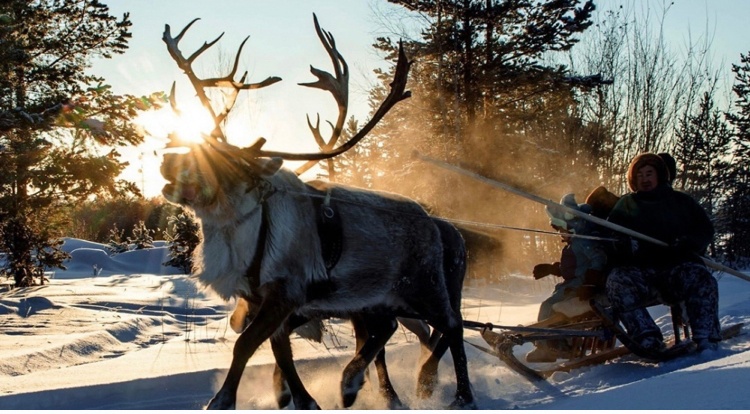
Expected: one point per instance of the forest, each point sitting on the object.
(551, 96)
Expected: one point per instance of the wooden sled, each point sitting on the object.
(594, 338)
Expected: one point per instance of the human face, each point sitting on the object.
(646, 178)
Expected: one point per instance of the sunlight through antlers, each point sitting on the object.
(336, 84)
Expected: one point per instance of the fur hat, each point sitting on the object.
(559, 218)
(642, 160)
(602, 201)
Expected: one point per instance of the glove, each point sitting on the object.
(545, 269)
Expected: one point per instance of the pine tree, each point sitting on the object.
(484, 97)
(703, 145)
(117, 243)
(59, 126)
(482, 94)
(183, 237)
(738, 177)
(143, 237)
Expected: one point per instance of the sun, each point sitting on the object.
(189, 125)
(144, 161)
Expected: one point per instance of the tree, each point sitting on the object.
(737, 204)
(184, 237)
(484, 97)
(703, 145)
(117, 242)
(654, 89)
(143, 237)
(58, 124)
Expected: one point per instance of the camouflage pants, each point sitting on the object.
(630, 287)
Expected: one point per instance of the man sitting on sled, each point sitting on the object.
(672, 274)
(582, 264)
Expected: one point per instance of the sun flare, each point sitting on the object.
(189, 125)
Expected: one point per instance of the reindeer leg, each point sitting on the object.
(280, 387)
(282, 351)
(422, 331)
(272, 312)
(380, 330)
(427, 379)
(241, 316)
(384, 382)
(386, 387)
(464, 397)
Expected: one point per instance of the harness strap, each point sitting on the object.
(253, 271)
(329, 227)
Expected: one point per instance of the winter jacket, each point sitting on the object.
(667, 215)
(579, 257)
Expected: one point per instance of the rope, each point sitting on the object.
(328, 197)
(548, 331)
(500, 226)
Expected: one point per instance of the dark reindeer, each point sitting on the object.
(286, 383)
(454, 265)
(259, 221)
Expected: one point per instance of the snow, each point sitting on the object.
(142, 336)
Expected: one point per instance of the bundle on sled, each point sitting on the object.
(586, 333)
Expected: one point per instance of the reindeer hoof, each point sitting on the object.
(221, 401)
(396, 404)
(350, 386)
(306, 405)
(427, 381)
(461, 403)
(283, 394)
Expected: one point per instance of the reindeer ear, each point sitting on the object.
(267, 167)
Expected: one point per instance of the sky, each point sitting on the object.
(283, 43)
(140, 336)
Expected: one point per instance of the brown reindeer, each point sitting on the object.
(259, 220)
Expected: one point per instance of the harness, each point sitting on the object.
(329, 229)
(253, 271)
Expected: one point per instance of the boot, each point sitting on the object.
(542, 353)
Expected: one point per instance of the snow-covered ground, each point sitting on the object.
(141, 336)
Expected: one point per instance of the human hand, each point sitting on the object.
(545, 269)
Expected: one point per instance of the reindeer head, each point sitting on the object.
(205, 176)
(209, 174)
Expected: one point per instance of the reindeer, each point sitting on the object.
(454, 265)
(292, 389)
(258, 224)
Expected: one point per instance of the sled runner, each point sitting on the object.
(594, 337)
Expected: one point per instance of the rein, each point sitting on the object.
(456, 221)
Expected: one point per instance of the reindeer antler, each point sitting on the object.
(200, 85)
(337, 85)
(339, 88)
(397, 93)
